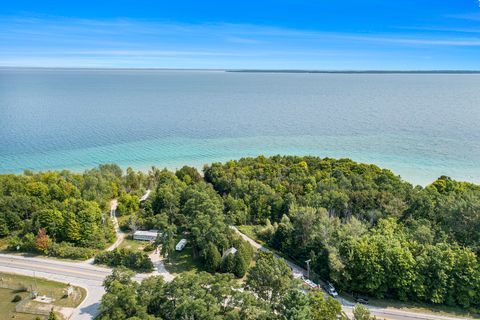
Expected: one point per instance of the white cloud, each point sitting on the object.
(50, 40)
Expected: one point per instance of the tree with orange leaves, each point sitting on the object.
(42, 240)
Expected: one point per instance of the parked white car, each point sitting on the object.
(331, 290)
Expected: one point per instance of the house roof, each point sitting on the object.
(231, 250)
(152, 233)
(145, 196)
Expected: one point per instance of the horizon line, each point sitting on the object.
(425, 71)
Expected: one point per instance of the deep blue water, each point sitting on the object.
(419, 125)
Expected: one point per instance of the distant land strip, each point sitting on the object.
(362, 71)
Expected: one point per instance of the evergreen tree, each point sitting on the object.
(270, 278)
(212, 258)
(240, 265)
(228, 263)
(52, 315)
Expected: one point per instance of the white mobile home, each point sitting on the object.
(181, 244)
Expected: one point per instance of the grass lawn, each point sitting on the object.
(183, 261)
(7, 307)
(21, 285)
(135, 245)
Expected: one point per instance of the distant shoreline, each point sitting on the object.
(363, 71)
(254, 70)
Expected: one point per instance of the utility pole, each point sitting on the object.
(308, 268)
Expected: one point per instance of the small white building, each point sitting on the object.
(181, 244)
(232, 250)
(145, 196)
(144, 235)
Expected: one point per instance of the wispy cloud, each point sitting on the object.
(79, 29)
(465, 16)
(443, 29)
(467, 42)
(243, 40)
(88, 41)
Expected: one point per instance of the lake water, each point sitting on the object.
(419, 125)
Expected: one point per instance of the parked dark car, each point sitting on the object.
(360, 299)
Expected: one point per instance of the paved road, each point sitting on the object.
(83, 274)
(91, 277)
(347, 306)
(396, 314)
(76, 273)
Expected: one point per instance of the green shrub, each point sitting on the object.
(25, 244)
(135, 260)
(16, 298)
(65, 250)
(149, 247)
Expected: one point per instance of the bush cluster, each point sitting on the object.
(135, 260)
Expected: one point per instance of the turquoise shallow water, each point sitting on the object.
(420, 126)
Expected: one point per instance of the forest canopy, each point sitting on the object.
(363, 228)
(59, 213)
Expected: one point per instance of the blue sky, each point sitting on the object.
(280, 34)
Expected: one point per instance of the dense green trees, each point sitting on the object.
(66, 205)
(268, 187)
(324, 308)
(270, 278)
(362, 227)
(452, 208)
(127, 204)
(184, 204)
(120, 300)
(199, 296)
(188, 175)
(204, 296)
(296, 306)
(135, 260)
